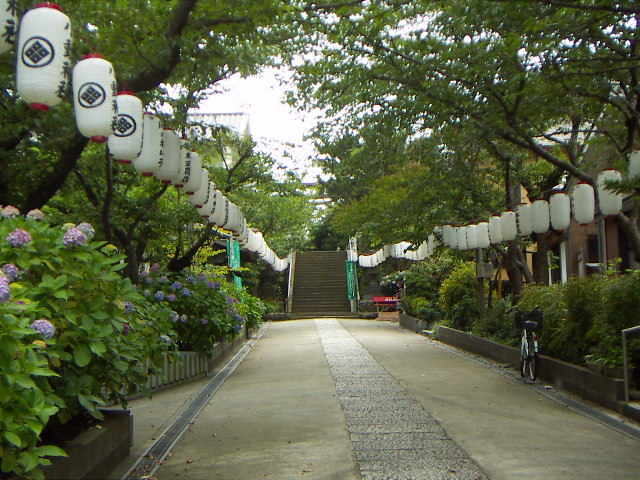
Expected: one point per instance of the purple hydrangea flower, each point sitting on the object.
(185, 292)
(74, 237)
(35, 214)
(237, 328)
(18, 237)
(148, 280)
(183, 318)
(164, 279)
(129, 307)
(172, 297)
(125, 329)
(155, 267)
(238, 318)
(202, 277)
(87, 229)
(147, 293)
(10, 212)
(5, 290)
(11, 271)
(204, 321)
(176, 286)
(190, 279)
(44, 327)
(213, 285)
(144, 273)
(159, 295)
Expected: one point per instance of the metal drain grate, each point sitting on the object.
(156, 453)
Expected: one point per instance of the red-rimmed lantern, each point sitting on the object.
(94, 97)
(44, 52)
(125, 144)
(482, 235)
(170, 156)
(560, 211)
(495, 230)
(540, 216)
(149, 159)
(583, 203)
(523, 217)
(508, 226)
(610, 202)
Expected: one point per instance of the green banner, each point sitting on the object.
(233, 259)
(352, 289)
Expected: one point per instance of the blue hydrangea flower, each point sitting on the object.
(11, 272)
(176, 286)
(191, 279)
(238, 318)
(174, 315)
(125, 329)
(147, 293)
(185, 292)
(213, 285)
(237, 328)
(172, 297)
(129, 307)
(204, 321)
(159, 295)
(144, 273)
(166, 339)
(164, 279)
(148, 280)
(87, 229)
(18, 237)
(44, 327)
(202, 277)
(74, 237)
(5, 290)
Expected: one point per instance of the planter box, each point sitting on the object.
(94, 453)
(602, 390)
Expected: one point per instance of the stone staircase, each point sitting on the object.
(320, 284)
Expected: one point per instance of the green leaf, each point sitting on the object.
(23, 380)
(28, 460)
(34, 425)
(50, 451)
(97, 347)
(81, 354)
(63, 294)
(13, 439)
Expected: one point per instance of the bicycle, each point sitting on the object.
(530, 322)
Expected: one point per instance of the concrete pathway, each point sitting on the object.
(350, 399)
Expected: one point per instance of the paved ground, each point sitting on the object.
(350, 399)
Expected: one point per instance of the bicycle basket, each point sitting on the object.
(534, 316)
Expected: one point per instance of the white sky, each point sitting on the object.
(273, 123)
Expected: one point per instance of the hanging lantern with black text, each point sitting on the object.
(610, 202)
(149, 159)
(495, 230)
(482, 235)
(43, 56)
(523, 217)
(508, 226)
(192, 173)
(462, 238)
(8, 24)
(94, 97)
(201, 194)
(583, 203)
(540, 216)
(169, 155)
(125, 144)
(560, 211)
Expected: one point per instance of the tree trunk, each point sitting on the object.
(541, 270)
(511, 263)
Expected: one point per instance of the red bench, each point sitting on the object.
(385, 304)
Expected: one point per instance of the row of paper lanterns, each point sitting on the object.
(133, 137)
(538, 217)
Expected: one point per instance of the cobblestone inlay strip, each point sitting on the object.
(393, 437)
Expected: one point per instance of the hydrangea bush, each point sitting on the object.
(205, 307)
(73, 334)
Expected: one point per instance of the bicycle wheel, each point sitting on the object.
(524, 357)
(533, 363)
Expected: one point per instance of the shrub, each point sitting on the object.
(497, 324)
(425, 278)
(73, 334)
(459, 296)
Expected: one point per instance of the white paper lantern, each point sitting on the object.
(192, 173)
(610, 202)
(125, 144)
(448, 235)
(472, 236)
(523, 217)
(583, 203)
(43, 55)
(184, 156)
(540, 216)
(205, 210)
(433, 241)
(560, 211)
(482, 235)
(218, 210)
(149, 159)
(634, 164)
(201, 195)
(169, 155)
(8, 24)
(495, 229)
(94, 97)
(508, 226)
(462, 238)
